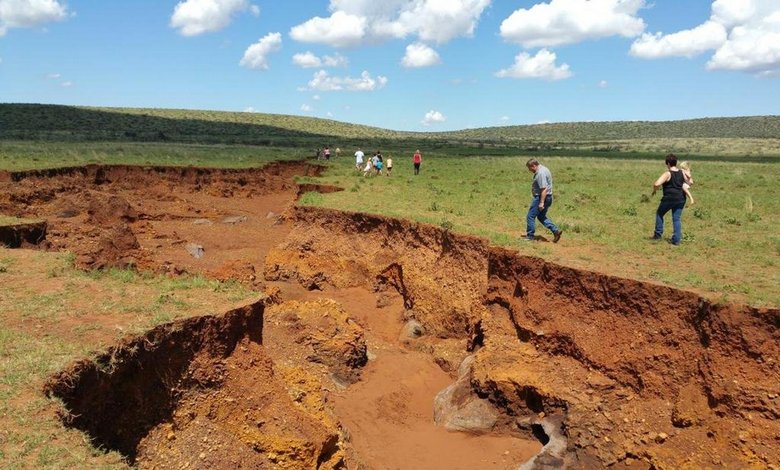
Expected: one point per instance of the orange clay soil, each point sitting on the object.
(369, 318)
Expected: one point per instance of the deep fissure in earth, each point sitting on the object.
(615, 372)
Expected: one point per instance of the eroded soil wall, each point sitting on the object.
(643, 374)
(134, 386)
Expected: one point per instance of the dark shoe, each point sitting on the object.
(526, 239)
(557, 236)
(655, 237)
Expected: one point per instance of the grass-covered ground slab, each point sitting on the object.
(56, 314)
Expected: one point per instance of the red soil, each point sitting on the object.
(640, 375)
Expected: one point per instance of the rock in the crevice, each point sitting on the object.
(458, 408)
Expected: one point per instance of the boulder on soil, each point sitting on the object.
(554, 453)
(235, 220)
(197, 251)
(412, 330)
(458, 408)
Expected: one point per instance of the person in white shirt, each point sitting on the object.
(359, 159)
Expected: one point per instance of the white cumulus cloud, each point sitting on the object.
(309, 60)
(571, 21)
(419, 55)
(603, 84)
(338, 30)
(687, 43)
(30, 13)
(250, 109)
(542, 65)
(66, 84)
(357, 22)
(432, 117)
(194, 17)
(324, 82)
(306, 108)
(744, 35)
(256, 55)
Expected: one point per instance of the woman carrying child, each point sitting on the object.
(673, 199)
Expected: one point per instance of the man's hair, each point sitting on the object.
(671, 159)
(532, 162)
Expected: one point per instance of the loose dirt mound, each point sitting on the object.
(323, 333)
(640, 374)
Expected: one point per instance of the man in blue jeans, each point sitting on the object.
(542, 199)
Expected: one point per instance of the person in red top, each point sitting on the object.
(417, 159)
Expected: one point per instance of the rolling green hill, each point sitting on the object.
(76, 123)
(54, 122)
(754, 127)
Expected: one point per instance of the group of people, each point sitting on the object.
(675, 183)
(377, 165)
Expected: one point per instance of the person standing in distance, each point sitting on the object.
(541, 200)
(672, 181)
(417, 159)
(359, 159)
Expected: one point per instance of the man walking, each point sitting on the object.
(541, 200)
(359, 159)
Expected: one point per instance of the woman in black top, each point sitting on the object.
(673, 199)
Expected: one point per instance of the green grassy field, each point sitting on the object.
(731, 246)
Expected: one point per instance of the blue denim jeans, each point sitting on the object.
(663, 208)
(535, 213)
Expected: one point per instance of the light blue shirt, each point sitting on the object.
(542, 179)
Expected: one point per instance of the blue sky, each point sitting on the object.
(400, 64)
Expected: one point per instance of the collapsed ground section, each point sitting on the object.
(638, 374)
